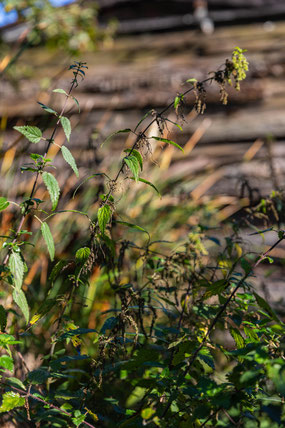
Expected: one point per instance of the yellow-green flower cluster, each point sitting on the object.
(237, 67)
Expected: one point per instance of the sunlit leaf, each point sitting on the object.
(17, 268)
(52, 187)
(48, 239)
(32, 133)
(10, 400)
(67, 155)
(65, 122)
(20, 300)
(104, 215)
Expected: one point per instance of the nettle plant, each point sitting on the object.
(186, 341)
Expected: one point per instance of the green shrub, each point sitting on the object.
(184, 339)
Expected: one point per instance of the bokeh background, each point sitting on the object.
(139, 53)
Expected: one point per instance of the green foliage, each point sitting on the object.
(10, 400)
(48, 239)
(17, 269)
(182, 339)
(3, 203)
(67, 155)
(104, 215)
(65, 122)
(32, 133)
(133, 163)
(20, 300)
(52, 187)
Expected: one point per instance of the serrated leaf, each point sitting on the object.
(3, 318)
(32, 133)
(38, 376)
(7, 362)
(15, 382)
(3, 203)
(82, 254)
(17, 268)
(52, 187)
(20, 300)
(239, 340)
(7, 339)
(165, 140)
(133, 164)
(48, 239)
(115, 133)
(48, 109)
(142, 180)
(65, 122)
(60, 91)
(104, 215)
(133, 226)
(10, 400)
(67, 155)
(264, 305)
(56, 270)
(137, 154)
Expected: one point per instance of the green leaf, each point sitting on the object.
(17, 268)
(147, 413)
(65, 122)
(56, 270)
(142, 119)
(137, 154)
(60, 91)
(165, 140)
(133, 226)
(15, 382)
(264, 305)
(52, 187)
(7, 363)
(77, 103)
(32, 133)
(48, 239)
(3, 203)
(191, 80)
(133, 164)
(48, 109)
(109, 324)
(3, 318)
(115, 133)
(177, 101)
(78, 418)
(104, 215)
(20, 300)
(82, 254)
(7, 339)
(239, 340)
(142, 180)
(67, 155)
(10, 400)
(38, 376)
(245, 265)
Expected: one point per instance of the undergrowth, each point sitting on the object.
(182, 338)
